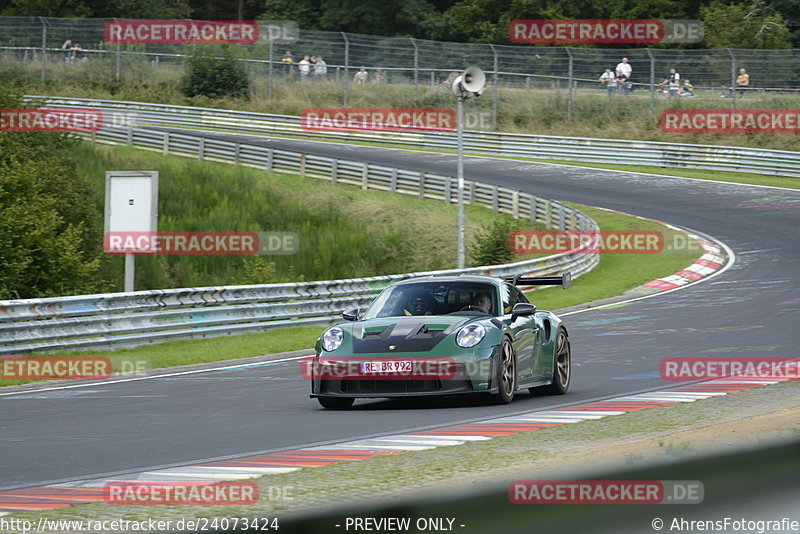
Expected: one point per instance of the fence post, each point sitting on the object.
(270, 158)
(346, 67)
(44, 47)
(515, 204)
(165, 148)
(569, 84)
(495, 88)
(237, 149)
(365, 177)
(334, 171)
(421, 185)
(447, 189)
(733, 77)
(302, 165)
(393, 183)
(652, 83)
(269, 72)
(416, 69)
(201, 148)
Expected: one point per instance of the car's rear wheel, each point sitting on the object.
(562, 365)
(336, 403)
(506, 372)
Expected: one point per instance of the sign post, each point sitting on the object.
(131, 206)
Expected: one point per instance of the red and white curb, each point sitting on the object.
(712, 260)
(58, 496)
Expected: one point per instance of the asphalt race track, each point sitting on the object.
(752, 309)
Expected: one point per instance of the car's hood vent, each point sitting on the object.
(413, 334)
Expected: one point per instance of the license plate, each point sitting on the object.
(387, 366)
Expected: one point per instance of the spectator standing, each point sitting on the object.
(320, 69)
(361, 76)
(608, 80)
(742, 81)
(78, 53)
(304, 67)
(624, 68)
(69, 56)
(673, 82)
(623, 85)
(288, 60)
(380, 77)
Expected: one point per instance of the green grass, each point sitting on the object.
(343, 232)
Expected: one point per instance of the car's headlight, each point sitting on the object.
(470, 335)
(332, 338)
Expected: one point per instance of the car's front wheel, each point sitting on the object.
(506, 372)
(336, 403)
(562, 365)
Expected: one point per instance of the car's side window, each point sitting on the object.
(520, 295)
(509, 295)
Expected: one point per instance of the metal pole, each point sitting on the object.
(733, 78)
(346, 67)
(44, 47)
(416, 69)
(116, 73)
(495, 88)
(269, 83)
(460, 177)
(569, 85)
(652, 83)
(129, 271)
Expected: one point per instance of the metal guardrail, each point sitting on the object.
(708, 157)
(127, 319)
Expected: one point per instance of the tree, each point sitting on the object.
(209, 75)
(743, 26)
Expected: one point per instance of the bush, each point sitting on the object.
(491, 244)
(214, 76)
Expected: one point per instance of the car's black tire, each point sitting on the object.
(562, 366)
(505, 370)
(336, 403)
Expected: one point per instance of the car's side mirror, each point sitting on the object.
(350, 315)
(522, 309)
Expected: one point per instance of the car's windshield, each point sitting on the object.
(435, 298)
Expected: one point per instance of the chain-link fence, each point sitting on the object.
(562, 75)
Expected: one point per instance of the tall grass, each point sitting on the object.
(343, 232)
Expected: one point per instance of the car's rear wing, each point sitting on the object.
(564, 280)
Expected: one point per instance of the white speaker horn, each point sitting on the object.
(473, 80)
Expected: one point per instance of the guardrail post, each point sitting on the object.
(201, 148)
(447, 186)
(165, 146)
(573, 223)
(302, 165)
(130, 136)
(365, 177)
(237, 149)
(270, 158)
(334, 171)
(471, 192)
(393, 183)
(548, 214)
(515, 204)
(495, 199)
(562, 223)
(534, 200)
(421, 185)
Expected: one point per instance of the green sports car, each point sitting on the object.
(444, 335)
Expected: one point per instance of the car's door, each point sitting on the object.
(523, 330)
